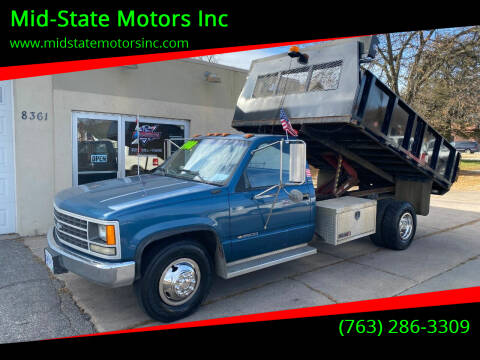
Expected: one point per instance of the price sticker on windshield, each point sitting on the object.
(189, 145)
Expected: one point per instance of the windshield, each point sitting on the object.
(206, 160)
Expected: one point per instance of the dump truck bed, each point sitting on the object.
(338, 107)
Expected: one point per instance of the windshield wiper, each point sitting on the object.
(192, 172)
(195, 173)
(160, 172)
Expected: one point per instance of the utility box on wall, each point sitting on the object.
(345, 219)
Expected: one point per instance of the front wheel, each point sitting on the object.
(175, 282)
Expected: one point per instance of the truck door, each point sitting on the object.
(290, 222)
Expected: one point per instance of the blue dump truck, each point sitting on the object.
(363, 163)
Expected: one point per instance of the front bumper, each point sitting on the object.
(101, 272)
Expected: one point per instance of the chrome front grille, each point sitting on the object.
(71, 240)
(80, 234)
(70, 220)
(73, 231)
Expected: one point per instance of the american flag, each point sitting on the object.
(308, 173)
(136, 140)
(137, 127)
(286, 124)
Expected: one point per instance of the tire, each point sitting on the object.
(164, 302)
(471, 151)
(399, 225)
(377, 238)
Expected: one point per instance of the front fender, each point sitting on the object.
(164, 230)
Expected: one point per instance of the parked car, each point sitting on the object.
(147, 163)
(466, 146)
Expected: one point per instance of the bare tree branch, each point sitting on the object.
(437, 72)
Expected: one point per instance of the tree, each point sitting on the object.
(436, 72)
(407, 60)
(209, 58)
(450, 98)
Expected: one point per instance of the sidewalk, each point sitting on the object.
(33, 304)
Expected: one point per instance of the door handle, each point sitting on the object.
(256, 197)
(306, 196)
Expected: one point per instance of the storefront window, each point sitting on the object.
(150, 145)
(108, 145)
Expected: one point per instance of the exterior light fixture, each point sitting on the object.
(211, 77)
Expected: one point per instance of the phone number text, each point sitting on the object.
(380, 327)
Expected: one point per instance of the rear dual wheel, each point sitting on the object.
(382, 205)
(396, 224)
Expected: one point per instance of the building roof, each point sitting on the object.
(220, 66)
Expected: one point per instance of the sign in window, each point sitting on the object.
(149, 143)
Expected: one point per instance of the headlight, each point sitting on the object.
(107, 233)
(102, 232)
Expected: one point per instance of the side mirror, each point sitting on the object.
(298, 160)
(295, 195)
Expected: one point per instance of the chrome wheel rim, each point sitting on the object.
(179, 281)
(406, 226)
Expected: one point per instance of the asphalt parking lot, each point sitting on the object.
(444, 255)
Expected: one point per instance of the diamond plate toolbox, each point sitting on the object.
(345, 219)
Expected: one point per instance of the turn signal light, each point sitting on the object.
(111, 235)
(294, 48)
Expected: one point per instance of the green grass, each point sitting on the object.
(470, 165)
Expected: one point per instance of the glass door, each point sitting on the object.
(96, 149)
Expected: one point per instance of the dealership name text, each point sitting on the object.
(130, 18)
